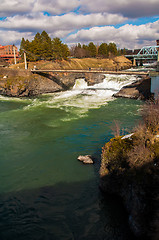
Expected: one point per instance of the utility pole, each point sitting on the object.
(25, 60)
(15, 61)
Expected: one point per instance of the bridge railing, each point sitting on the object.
(147, 52)
(151, 50)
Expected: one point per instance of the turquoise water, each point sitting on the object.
(45, 192)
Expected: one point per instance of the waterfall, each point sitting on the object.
(80, 84)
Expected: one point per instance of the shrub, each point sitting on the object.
(114, 154)
(139, 151)
(150, 115)
(116, 128)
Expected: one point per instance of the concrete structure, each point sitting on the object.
(157, 69)
(88, 72)
(147, 53)
(9, 53)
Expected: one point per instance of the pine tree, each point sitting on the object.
(112, 48)
(103, 50)
(65, 51)
(42, 47)
(92, 49)
(22, 47)
(60, 50)
(36, 46)
(46, 46)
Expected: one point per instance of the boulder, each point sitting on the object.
(87, 159)
(140, 89)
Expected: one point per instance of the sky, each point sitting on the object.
(128, 23)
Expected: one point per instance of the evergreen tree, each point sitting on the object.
(28, 51)
(92, 49)
(103, 50)
(60, 50)
(22, 47)
(123, 51)
(46, 46)
(112, 48)
(79, 45)
(36, 46)
(65, 51)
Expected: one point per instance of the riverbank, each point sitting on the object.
(129, 168)
(15, 81)
(140, 89)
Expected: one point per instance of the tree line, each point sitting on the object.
(104, 50)
(43, 47)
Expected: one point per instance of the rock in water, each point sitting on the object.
(87, 159)
(140, 89)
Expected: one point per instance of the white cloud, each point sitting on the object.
(67, 22)
(55, 6)
(95, 21)
(11, 7)
(13, 37)
(129, 36)
(128, 8)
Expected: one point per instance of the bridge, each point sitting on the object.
(146, 53)
(67, 78)
(65, 72)
(149, 52)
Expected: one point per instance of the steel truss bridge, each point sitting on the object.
(149, 52)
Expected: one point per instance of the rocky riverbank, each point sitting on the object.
(138, 90)
(129, 169)
(23, 83)
(15, 81)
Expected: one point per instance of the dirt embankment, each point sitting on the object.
(117, 63)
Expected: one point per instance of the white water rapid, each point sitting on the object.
(93, 96)
(78, 101)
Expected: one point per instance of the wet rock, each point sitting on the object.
(87, 159)
(138, 90)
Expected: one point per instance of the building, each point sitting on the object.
(8, 52)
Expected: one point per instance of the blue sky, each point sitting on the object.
(128, 23)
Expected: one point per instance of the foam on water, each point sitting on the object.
(94, 96)
(14, 99)
(78, 101)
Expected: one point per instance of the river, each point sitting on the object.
(45, 192)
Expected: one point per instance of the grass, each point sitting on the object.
(107, 64)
